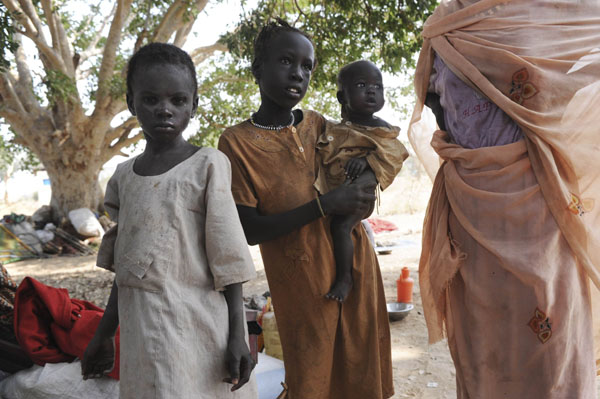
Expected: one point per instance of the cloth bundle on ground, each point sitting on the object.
(7, 300)
(379, 225)
(12, 358)
(57, 381)
(51, 327)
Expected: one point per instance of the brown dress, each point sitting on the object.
(330, 350)
(343, 141)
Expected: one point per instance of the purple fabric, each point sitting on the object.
(472, 120)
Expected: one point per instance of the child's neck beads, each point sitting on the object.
(272, 127)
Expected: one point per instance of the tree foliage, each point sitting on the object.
(8, 43)
(384, 31)
(61, 99)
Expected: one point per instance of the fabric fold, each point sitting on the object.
(538, 61)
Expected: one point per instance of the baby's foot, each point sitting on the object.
(340, 290)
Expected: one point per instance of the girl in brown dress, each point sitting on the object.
(331, 350)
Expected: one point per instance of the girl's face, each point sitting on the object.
(163, 100)
(285, 72)
(362, 91)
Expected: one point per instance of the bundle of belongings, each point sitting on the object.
(51, 327)
(12, 357)
(42, 325)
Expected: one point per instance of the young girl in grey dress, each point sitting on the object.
(180, 253)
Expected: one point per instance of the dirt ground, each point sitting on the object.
(420, 371)
(416, 365)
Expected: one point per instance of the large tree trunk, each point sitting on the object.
(74, 185)
(71, 142)
(73, 190)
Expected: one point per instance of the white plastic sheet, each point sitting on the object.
(57, 381)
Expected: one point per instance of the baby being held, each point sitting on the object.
(359, 149)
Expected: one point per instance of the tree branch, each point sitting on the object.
(28, 9)
(12, 117)
(18, 15)
(122, 130)
(19, 119)
(202, 53)
(92, 49)
(62, 41)
(110, 54)
(10, 99)
(174, 18)
(33, 30)
(48, 13)
(48, 56)
(182, 33)
(299, 9)
(24, 87)
(116, 106)
(119, 145)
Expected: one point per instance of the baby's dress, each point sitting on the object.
(345, 140)
(179, 243)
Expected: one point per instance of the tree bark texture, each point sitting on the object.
(71, 143)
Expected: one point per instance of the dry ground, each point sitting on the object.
(420, 371)
(415, 364)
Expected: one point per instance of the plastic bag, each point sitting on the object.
(85, 222)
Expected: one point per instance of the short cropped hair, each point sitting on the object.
(160, 54)
(343, 75)
(346, 69)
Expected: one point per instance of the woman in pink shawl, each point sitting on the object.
(511, 241)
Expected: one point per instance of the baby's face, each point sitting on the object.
(363, 89)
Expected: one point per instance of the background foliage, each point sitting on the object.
(65, 100)
(383, 31)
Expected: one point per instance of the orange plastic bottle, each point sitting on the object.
(405, 286)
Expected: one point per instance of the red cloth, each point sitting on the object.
(379, 225)
(51, 327)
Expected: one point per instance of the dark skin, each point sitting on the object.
(361, 95)
(283, 79)
(163, 100)
(433, 101)
(99, 356)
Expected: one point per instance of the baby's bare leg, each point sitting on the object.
(343, 247)
(343, 250)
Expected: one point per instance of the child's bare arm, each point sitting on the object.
(99, 356)
(355, 166)
(341, 201)
(239, 360)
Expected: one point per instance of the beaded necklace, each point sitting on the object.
(271, 127)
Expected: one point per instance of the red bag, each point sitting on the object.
(51, 327)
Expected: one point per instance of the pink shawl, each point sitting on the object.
(539, 61)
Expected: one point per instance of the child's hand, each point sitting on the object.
(350, 199)
(354, 167)
(239, 363)
(98, 358)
